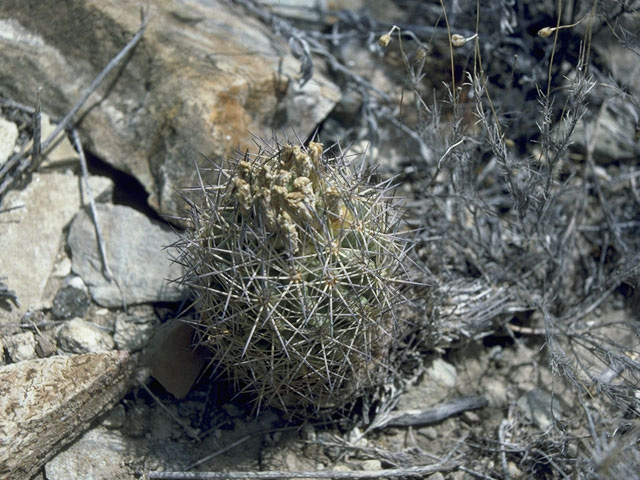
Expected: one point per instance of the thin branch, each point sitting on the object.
(436, 414)
(389, 473)
(106, 271)
(36, 156)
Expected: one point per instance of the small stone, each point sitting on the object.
(132, 333)
(429, 432)
(471, 417)
(80, 336)
(539, 407)
(44, 346)
(115, 417)
(8, 137)
(70, 302)
(442, 372)
(371, 464)
(436, 476)
(21, 346)
(62, 267)
(514, 471)
(496, 392)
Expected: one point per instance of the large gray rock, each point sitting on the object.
(32, 235)
(135, 248)
(205, 77)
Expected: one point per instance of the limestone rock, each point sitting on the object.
(205, 77)
(32, 235)
(135, 251)
(46, 403)
(21, 346)
(80, 336)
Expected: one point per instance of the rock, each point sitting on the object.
(135, 251)
(20, 347)
(2, 360)
(205, 77)
(132, 332)
(62, 268)
(372, 465)
(80, 336)
(613, 139)
(108, 459)
(442, 372)
(430, 432)
(436, 385)
(436, 476)
(45, 347)
(115, 417)
(32, 235)
(70, 302)
(46, 403)
(539, 407)
(173, 360)
(495, 389)
(8, 137)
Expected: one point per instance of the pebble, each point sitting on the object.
(132, 333)
(80, 336)
(21, 346)
(115, 417)
(70, 302)
(45, 347)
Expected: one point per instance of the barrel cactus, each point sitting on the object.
(296, 264)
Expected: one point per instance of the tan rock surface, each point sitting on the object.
(32, 234)
(204, 78)
(45, 404)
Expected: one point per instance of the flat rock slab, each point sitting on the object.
(135, 247)
(205, 77)
(31, 235)
(45, 404)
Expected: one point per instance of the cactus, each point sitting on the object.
(296, 264)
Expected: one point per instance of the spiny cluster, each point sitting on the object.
(296, 263)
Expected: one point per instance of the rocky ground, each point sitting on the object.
(546, 400)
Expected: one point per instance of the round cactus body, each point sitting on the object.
(295, 262)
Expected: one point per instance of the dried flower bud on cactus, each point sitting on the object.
(296, 265)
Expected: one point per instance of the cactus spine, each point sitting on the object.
(296, 263)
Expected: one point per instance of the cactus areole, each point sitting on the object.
(295, 262)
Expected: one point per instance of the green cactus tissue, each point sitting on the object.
(296, 265)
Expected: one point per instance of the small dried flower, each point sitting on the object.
(384, 40)
(545, 32)
(458, 40)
